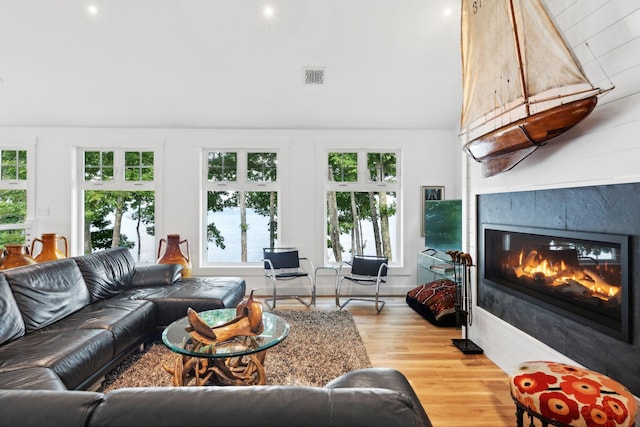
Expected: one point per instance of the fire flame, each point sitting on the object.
(535, 267)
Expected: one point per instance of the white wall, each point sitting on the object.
(427, 158)
(603, 149)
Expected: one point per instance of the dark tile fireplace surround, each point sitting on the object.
(606, 209)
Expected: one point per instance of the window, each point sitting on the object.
(119, 201)
(362, 204)
(98, 165)
(138, 165)
(261, 167)
(381, 167)
(15, 196)
(343, 167)
(222, 166)
(242, 205)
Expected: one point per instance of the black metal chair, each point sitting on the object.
(365, 270)
(283, 264)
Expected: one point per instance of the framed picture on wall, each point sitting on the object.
(429, 193)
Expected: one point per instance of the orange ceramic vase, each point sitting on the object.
(50, 250)
(173, 253)
(16, 256)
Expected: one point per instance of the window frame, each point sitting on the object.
(28, 184)
(364, 184)
(118, 183)
(241, 183)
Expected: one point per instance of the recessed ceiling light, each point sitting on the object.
(268, 12)
(447, 11)
(92, 9)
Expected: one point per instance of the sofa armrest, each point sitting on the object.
(385, 378)
(156, 275)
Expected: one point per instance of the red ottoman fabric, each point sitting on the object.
(435, 301)
(565, 395)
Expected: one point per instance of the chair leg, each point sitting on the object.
(313, 290)
(274, 298)
(379, 304)
(378, 301)
(272, 307)
(312, 301)
(338, 304)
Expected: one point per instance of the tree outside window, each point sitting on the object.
(262, 167)
(362, 220)
(242, 220)
(98, 166)
(381, 167)
(222, 166)
(13, 197)
(13, 212)
(343, 167)
(119, 209)
(138, 165)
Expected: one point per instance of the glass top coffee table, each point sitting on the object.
(239, 361)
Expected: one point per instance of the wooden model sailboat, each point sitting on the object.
(521, 84)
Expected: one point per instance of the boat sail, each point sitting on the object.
(522, 85)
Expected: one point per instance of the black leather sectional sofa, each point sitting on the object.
(64, 324)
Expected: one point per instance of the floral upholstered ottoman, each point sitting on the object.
(563, 395)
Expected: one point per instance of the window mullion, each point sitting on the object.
(362, 167)
(109, 172)
(118, 166)
(241, 179)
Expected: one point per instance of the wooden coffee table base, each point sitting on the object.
(240, 370)
(225, 360)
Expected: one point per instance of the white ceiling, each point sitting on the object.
(390, 64)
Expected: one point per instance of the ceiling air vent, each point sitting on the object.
(314, 75)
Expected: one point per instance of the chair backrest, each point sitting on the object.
(368, 265)
(281, 258)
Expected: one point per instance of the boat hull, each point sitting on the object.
(519, 139)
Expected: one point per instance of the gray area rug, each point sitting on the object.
(321, 346)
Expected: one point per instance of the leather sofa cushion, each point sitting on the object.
(11, 324)
(198, 293)
(46, 408)
(156, 274)
(74, 355)
(130, 321)
(107, 273)
(31, 379)
(47, 292)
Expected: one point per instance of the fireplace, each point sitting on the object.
(602, 342)
(581, 275)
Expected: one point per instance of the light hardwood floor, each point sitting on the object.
(455, 389)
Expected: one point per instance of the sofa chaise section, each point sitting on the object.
(112, 275)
